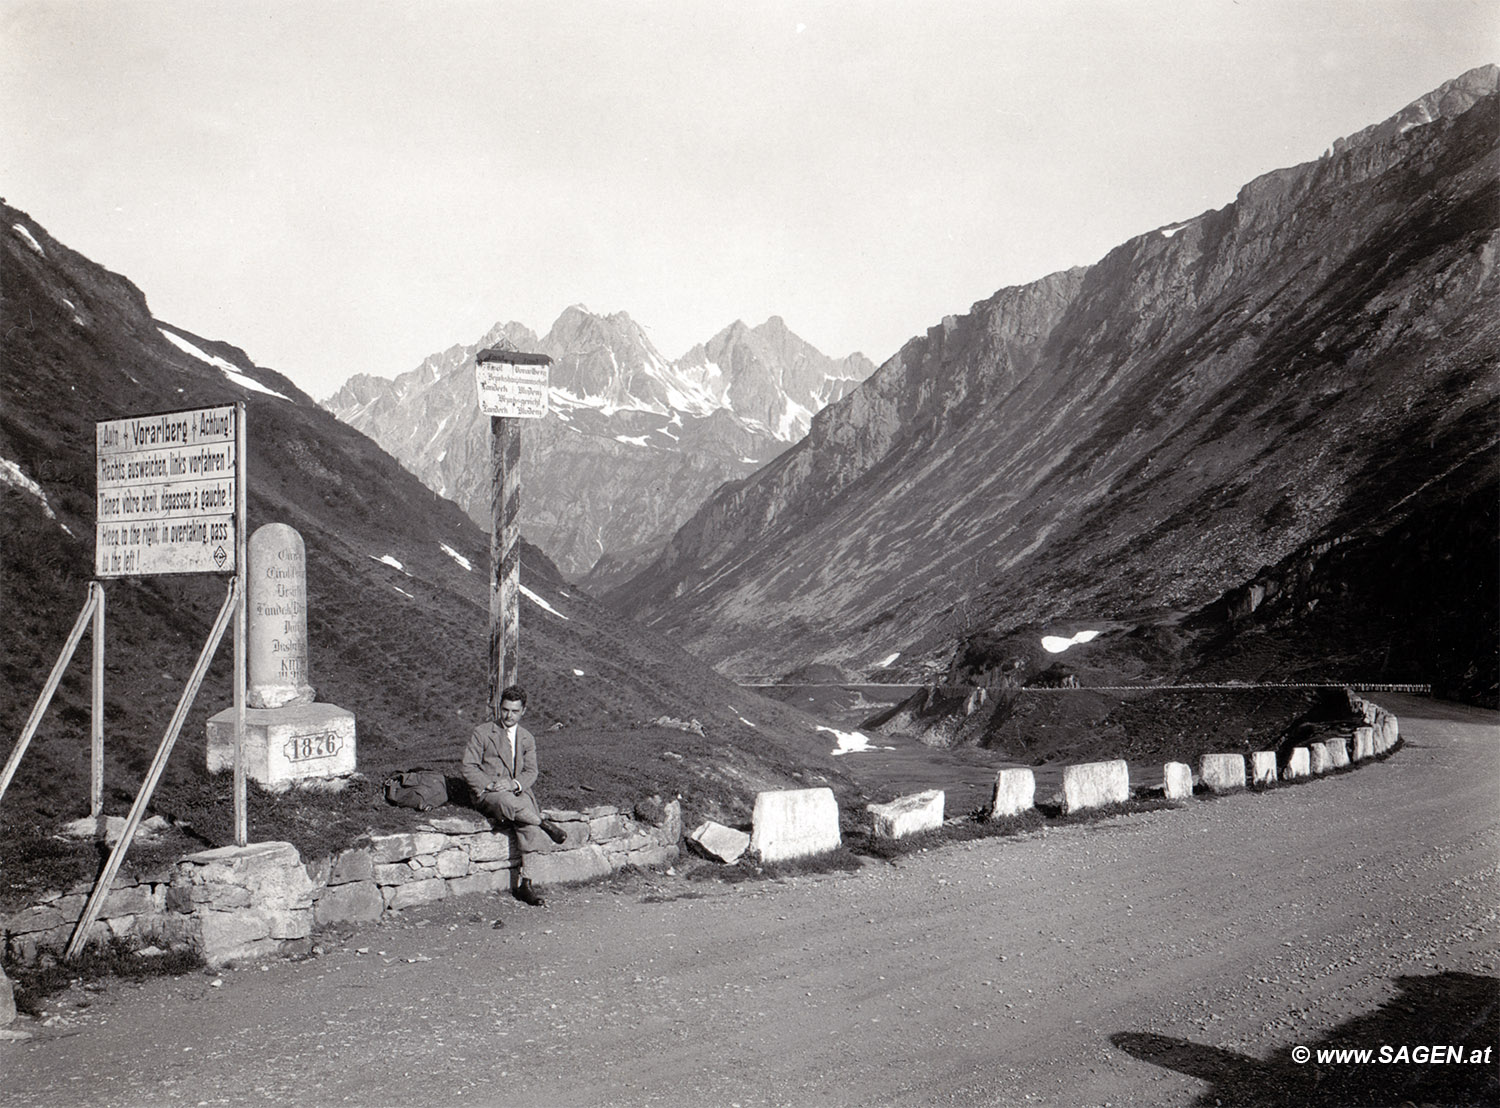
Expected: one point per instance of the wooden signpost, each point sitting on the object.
(512, 386)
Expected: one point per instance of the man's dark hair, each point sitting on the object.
(513, 692)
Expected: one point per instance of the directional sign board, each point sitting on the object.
(513, 391)
(167, 488)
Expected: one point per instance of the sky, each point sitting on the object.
(348, 187)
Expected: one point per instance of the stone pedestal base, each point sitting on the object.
(286, 746)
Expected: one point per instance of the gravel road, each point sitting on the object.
(1175, 957)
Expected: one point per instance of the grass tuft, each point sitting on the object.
(118, 958)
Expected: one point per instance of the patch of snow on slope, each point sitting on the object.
(229, 369)
(889, 659)
(851, 742)
(741, 718)
(579, 673)
(10, 474)
(1413, 124)
(386, 559)
(403, 592)
(603, 404)
(457, 557)
(540, 603)
(632, 440)
(21, 230)
(795, 421)
(686, 396)
(1055, 644)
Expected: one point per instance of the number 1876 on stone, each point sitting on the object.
(302, 748)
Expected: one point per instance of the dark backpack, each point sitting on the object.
(417, 788)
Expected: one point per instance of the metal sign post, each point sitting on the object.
(241, 572)
(512, 386)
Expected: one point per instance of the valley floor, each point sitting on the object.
(1171, 957)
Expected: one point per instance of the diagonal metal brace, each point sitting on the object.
(153, 775)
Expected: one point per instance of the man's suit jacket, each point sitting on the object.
(487, 762)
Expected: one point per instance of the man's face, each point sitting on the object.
(511, 712)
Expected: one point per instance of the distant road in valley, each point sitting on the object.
(1172, 957)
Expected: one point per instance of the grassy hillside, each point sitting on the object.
(403, 649)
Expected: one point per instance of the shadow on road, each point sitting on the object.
(1458, 1009)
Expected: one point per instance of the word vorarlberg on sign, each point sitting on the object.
(167, 489)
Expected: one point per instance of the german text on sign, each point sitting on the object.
(513, 391)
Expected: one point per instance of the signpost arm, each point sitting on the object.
(505, 555)
(96, 717)
(241, 570)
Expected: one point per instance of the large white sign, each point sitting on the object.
(166, 488)
(513, 391)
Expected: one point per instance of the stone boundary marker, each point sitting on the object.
(1222, 772)
(908, 815)
(1299, 765)
(1095, 784)
(794, 823)
(1321, 760)
(1015, 792)
(1263, 767)
(1177, 780)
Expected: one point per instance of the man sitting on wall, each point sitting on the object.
(500, 766)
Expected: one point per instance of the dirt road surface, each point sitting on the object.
(1175, 957)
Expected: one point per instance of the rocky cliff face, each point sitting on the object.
(1141, 435)
(772, 378)
(635, 442)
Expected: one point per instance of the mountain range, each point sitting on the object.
(634, 442)
(1290, 401)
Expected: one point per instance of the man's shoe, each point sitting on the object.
(526, 894)
(554, 832)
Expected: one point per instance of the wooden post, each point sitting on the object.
(241, 577)
(96, 717)
(505, 556)
(512, 386)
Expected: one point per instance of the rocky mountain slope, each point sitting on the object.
(397, 597)
(1309, 372)
(635, 442)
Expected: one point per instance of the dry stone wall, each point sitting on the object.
(242, 903)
